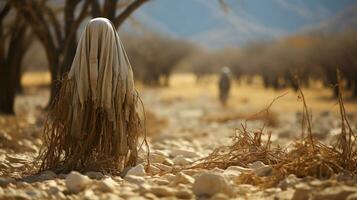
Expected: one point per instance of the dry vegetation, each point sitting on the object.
(307, 157)
(155, 57)
(312, 57)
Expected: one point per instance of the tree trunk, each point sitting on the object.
(332, 79)
(53, 61)
(10, 69)
(354, 94)
(18, 86)
(109, 9)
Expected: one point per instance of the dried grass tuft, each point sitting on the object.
(247, 147)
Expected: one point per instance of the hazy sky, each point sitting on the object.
(206, 23)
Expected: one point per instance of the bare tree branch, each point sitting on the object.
(96, 11)
(128, 11)
(55, 24)
(109, 9)
(4, 11)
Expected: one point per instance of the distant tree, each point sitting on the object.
(60, 39)
(14, 41)
(155, 56)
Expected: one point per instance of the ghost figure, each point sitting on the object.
(93, 123)
(224, 85)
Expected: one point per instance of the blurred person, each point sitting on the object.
(93, 123)
(224, 85)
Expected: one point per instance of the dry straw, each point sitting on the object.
(96, 148)
(308, 156)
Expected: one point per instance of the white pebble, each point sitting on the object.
(76, 182)
(209, 183)
(138, 170)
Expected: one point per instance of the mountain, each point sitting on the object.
(204, 22)
(345, 20)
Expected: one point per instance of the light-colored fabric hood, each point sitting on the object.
(100, 62)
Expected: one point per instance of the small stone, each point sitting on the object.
(209, 183)
(232, 172)
(128, 187)
(335, 193)
(184, 194)
(352, 196)
(264, 171)
(246, 188)
(89, 195)
(136, 197)
(76, 182)
(160, 181)
(117, 179)
(138, 170)
(319, 183)
(182, 178)
(271, 191)
(34, 194)
(127, 194)
(217, 170)
(220, 196)
(302, 191)
(153, 170)
(289, 181)
(162, 152)
(46, 175)
(150, 196)
(143, 188)
(16, 196)
(285, 195)
(107, 185)
(256, 165)
(163, 167)
(181, 160)
(168, 162)
(22, 184)
(16, 165)
(138, 180)
(168, 177)
(6, 181)
(95, 175)
(260, 168)
(53, 190)
(110, 196)
(157, 158)
(162, 191)
(185, 153)
(59, 195)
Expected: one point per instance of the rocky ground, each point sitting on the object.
(181, 131)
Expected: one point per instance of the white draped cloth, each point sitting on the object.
(101, 71)
(94, 118)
